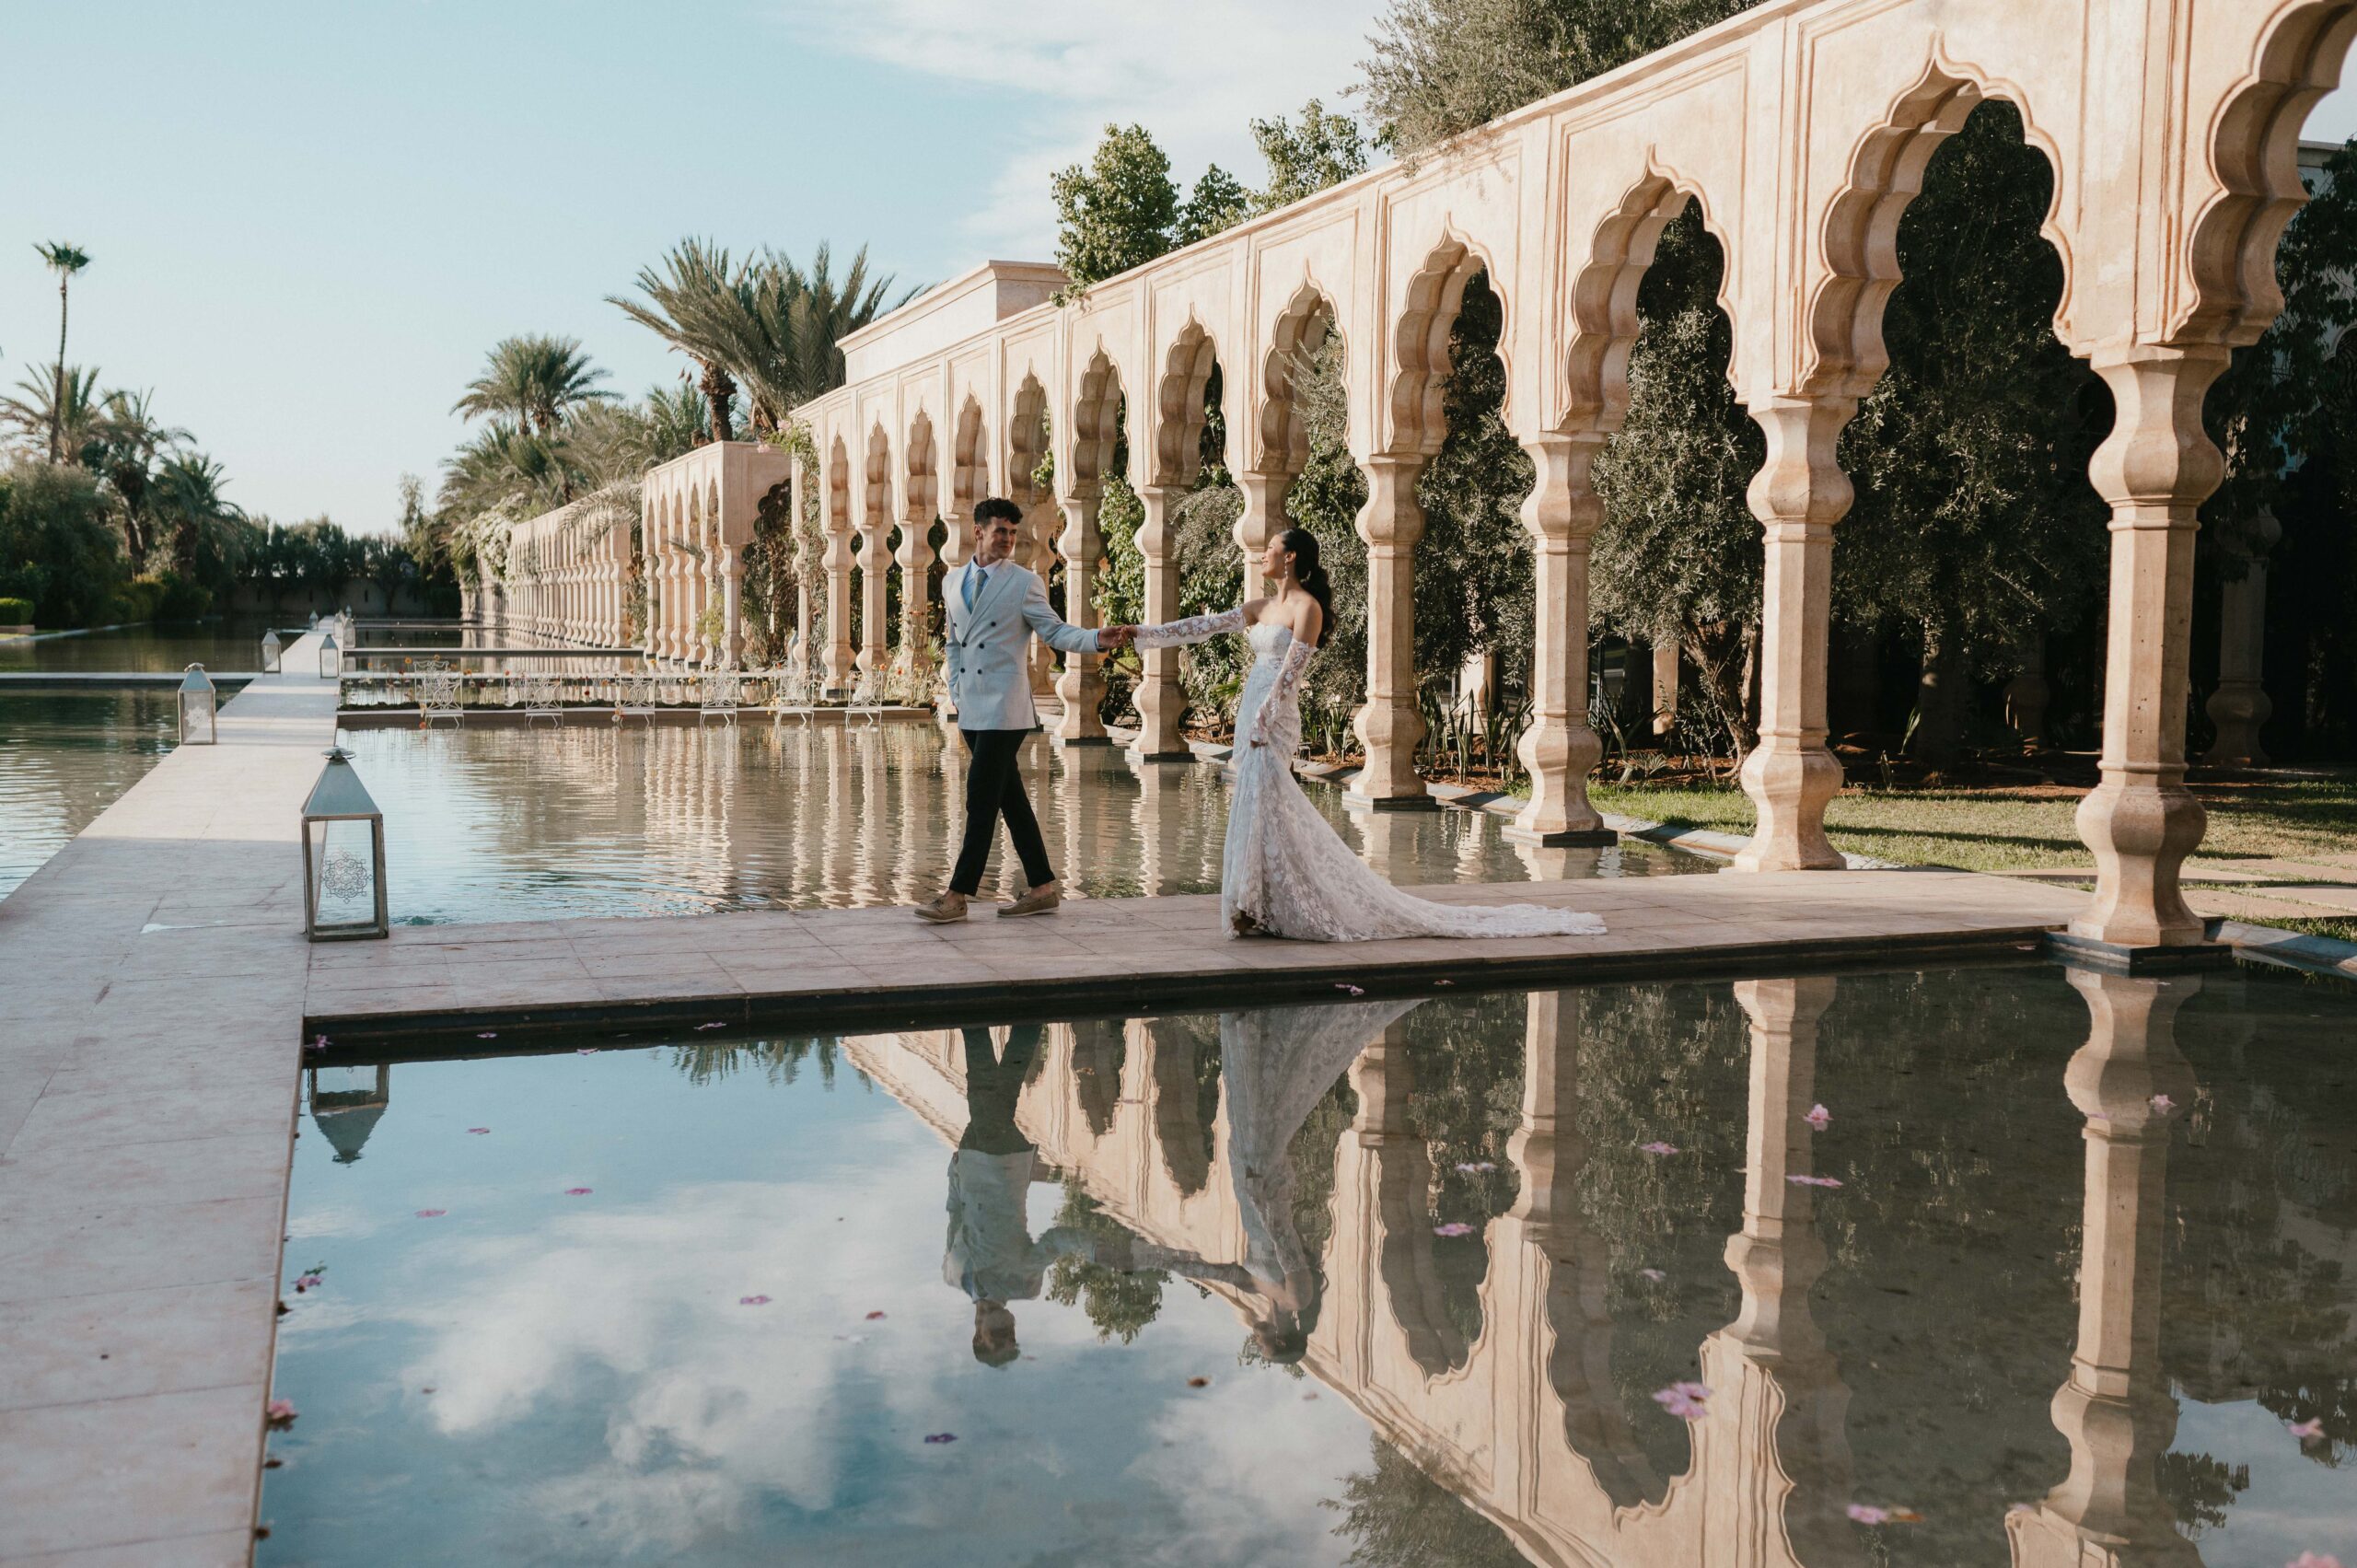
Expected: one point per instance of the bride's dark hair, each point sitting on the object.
(1301, 545)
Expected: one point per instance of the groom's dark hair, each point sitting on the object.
(997, 509)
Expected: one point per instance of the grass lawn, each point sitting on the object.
(2004, 829)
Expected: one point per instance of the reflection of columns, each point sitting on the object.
(2239, 707)
(1082, 687)
(839, 650)
(2115, 1410)
(1798, 495)
(1561, 513)
(1665, 687)
(2155, 469)
(1162, 705)
(1390, 723)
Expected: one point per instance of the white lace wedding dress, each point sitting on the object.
(1285, 871)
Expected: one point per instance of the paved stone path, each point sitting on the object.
(149, 1051)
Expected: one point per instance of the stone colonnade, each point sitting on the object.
(566, 578)
(1802, 129)
(1525, 1419)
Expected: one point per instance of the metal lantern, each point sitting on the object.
(331, 661)
(343, 857)
(313, 621)
(198, 704)
(270, 650)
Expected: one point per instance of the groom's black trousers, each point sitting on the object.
(994, 789)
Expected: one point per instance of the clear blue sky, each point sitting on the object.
(309, 221)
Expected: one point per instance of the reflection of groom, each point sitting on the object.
(991, 1255)
(993, 606)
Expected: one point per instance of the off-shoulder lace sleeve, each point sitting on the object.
(1297, 656)
(1194, 629)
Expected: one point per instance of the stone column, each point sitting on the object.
(1032, 550)
(1798, 496)
(1561, 513)
(916, 589)
(1162, 704)
(2115, 1410)
(956, 548)
(838, 660)
(1263, 518)
(2155, 470)
(1082, 687)
(2239, 707)
(1390, 723)
(875, 565)
(1664, 688)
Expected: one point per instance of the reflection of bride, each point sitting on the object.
(1285, 871)
(1275, 1066)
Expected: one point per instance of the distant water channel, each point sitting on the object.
(1959, 1269)
(601, 818)
(232, 643)
(65, 757)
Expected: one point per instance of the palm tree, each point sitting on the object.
(616, 443)
(507, 469)
(693, 305)
(536, 379)
(125, 455)
(827, 311)
(63, 411)
(188, 496)
(65, 261)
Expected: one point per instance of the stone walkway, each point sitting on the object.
(148, 1050)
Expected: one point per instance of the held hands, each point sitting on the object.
(1111, 637)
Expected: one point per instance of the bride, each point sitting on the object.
(1285, 871)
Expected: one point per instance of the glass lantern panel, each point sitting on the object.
(346, 1084)
(196, 718)
(343, 872)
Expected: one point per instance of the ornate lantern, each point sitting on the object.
(270, 649)
(197, 708)
(343, 857)
(331, 661)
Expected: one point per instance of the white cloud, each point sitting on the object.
(1193, 73)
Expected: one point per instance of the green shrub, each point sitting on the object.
(57, 548)
(180, 599)
(15, 612)
(136, 600)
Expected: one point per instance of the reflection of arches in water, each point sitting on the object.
(1099, 1046)
(1186, 1097)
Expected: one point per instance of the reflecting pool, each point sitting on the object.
(232, 643)
(1990, 1266)
(65, 757)
(601, 819)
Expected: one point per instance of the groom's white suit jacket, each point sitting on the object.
(983, 651)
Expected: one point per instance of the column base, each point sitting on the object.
(1389, 802)
(1180, 756)
(1568, 837)
(2085, 952)
(1084, 741)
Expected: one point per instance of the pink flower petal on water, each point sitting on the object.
(1352, 990)
(477, 1131)
(576, 1191)
(586, 1050)
(1867, 1515)
(1817, 1117)
(1470, 1166)
(874, 1316)
(1654, 1274)
(752, 1301)
(319, 1042)
(487, 1034)
(2163, 1104)
(279, 1413)
(1656, 1147)
(941, 1438)
(2312, 1427)
(305, 1282)
(431, 1213)
(1814, 1180)
(1454, 1227)
(1684, 1401)
(700, 1028)
(2314, 1560)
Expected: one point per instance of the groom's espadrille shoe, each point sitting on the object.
(1039, 900)
(942, 910)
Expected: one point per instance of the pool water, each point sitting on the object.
(232, 643)
(2071, 1274)
(601, 818)
(67, 757)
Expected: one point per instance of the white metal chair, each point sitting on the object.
(441, 693)
(544, 698)
(717, 690)
(637, 694)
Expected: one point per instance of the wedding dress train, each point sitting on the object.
(1285, 871)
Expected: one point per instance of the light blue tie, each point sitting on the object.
(973, 586)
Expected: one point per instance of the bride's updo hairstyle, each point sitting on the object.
(1301, 545)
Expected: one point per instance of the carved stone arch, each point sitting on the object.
(838, 510)
(1602, 296)
(1026, 441)
(876, 497)
(969, 478)
(713, 526)
(2253, 146)
(1178, 406)
(1096, 421)
(1420, 343)
(923, 496)
(1858, 238)
(1412, 1282)
(1283, 441)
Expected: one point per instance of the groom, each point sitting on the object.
(994, 606)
